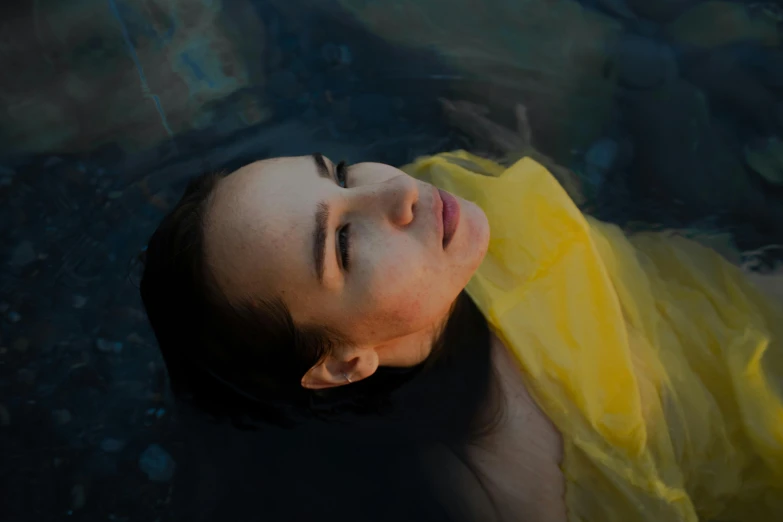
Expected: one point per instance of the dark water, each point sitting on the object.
(670, 112)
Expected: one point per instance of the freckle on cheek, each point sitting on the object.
(413, 306)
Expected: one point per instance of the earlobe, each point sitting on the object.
(339, 370)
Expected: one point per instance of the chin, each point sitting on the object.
(478, 233)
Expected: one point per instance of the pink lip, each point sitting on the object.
(449, 216)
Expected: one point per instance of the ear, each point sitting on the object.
(343, 367)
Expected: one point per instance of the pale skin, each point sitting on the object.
(389, 301)
(394, 293)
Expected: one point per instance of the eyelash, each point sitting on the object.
(341, 174)
(343, 235)
(344, 241)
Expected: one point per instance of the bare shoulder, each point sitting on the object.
(520, 459)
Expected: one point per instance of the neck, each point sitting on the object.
(408, 351)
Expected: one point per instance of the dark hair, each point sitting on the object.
(244, 364)
(244, 361)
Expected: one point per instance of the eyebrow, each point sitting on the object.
(321, 219)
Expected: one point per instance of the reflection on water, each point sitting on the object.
(669, 113)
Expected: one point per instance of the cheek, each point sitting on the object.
(404, 293)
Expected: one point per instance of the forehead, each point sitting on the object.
(259, 224)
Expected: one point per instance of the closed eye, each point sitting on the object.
(344, 246)
(341, 174)
(344, 232)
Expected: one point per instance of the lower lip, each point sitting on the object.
(450, 216)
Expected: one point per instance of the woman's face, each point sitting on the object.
(358, 250)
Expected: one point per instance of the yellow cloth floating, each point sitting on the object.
(659, 363)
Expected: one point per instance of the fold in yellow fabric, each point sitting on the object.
(660, 364)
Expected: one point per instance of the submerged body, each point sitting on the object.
(656, 360)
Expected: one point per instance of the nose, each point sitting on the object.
(396, 198)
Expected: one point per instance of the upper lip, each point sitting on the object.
(438, 209)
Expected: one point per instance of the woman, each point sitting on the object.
(610, 378)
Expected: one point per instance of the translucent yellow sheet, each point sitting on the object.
(659, 363)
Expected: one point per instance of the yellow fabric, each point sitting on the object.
(659, 363)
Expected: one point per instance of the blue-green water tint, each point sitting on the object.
(112, 105)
